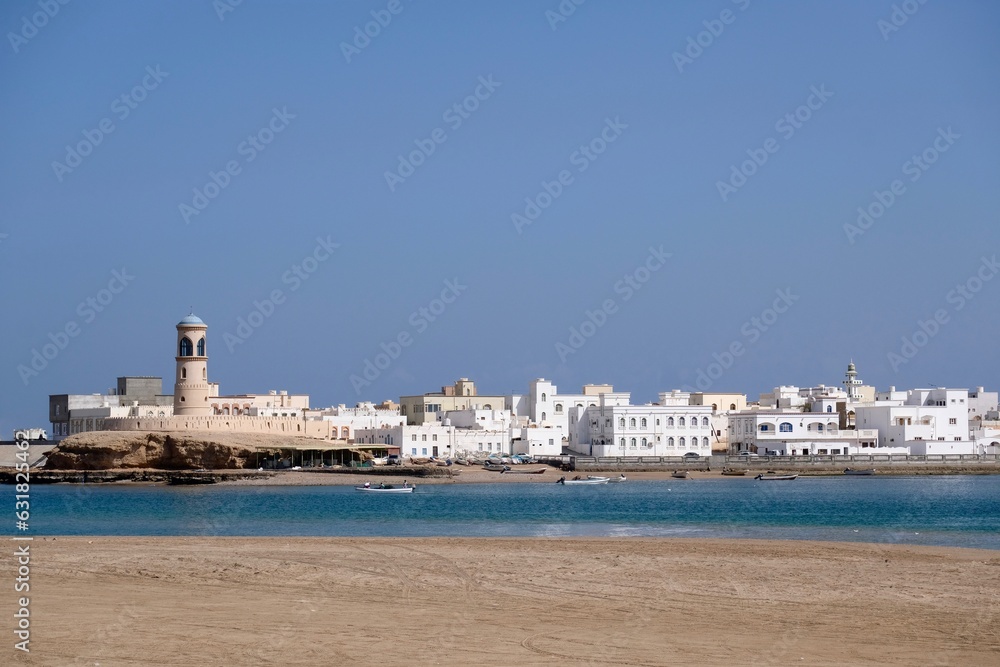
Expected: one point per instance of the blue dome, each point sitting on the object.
(191, 319)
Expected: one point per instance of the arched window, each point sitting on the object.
(681, 422)
(682, 442)
(643, 424)
(704, 442)
(633, 443)
(631, 422)
(829, 408)
(187, 350)
(201, 347)
(623, 443)
(670, 442)
(644, 442)
(785, 427)
(543, 416)
(732, 406)
(621, 423)
(765, 427)
(819, 427)
(670, 421)
(543, 397)
(704, 421)
(715, 406)
(559, 408)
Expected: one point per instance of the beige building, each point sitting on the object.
(428, 408)
(720, 402)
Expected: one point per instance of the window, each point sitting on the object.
(434, 437)
(670, 442)
(704, 421)
(681, 422)
(643, 423)
(633, 443)
(423, 451)
(670, 421)
(785, 427)
(645, 443)
(187, 350)
(423, 437)
(765, 427)
(705, 443)
(621, 423)
(631, 422)
(952, 421)
(622, 443)
(682, 442)
(543, 397)
(829, 408)
(201, 347)
(657, 422)
(819, 427)
(414, 451)
(559, 408)
(184, 373)
(414, 438)
(732, 406)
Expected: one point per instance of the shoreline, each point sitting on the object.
(539, 601)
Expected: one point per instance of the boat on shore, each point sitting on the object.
(619, 478)
(386, 488)
(579, 480)
(732, 472)
(508, 471)
(773, 477)
(679, 474)
(496, 467)
(866, 472)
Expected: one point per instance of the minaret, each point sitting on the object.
(191, 385)
(852, 383)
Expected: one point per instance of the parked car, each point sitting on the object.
(393, 460)
(692, 455)
(748, 454)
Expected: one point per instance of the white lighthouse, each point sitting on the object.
(852, 384)
(191, 386)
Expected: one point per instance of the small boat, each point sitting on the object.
(522, 472)
(577, 480)
(772, 477)
(864, 472)
(599, 478)
(495, 467)
(619, 478)
(386, 488)
(679, 474)
(732, 472)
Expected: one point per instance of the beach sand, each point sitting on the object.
(325, 601)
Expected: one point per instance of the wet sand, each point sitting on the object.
(350, 601)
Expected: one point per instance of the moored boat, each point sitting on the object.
(385, 488)
(772, 477)
(863, 472)
(495, 467)
(578, 480)
(508, 471)
(732, 472)
(619, 478)
(679, 474)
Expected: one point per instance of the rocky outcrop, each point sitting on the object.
(106, 450)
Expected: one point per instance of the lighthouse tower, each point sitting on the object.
(191, 386)
(851, 383)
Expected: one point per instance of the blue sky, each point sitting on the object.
(200, 92)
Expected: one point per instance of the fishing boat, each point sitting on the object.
(732, 472)
(619, 478)
(386, 488)
(508, 471)
(679, 474)
(495, 467)
(599, 477)
(773, 477)
(864, 472)
(577, 480)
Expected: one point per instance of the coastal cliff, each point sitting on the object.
(106, 450)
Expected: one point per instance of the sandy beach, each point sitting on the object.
(324, 601)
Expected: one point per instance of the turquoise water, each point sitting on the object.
(948, 510)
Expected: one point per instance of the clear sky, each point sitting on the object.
(693, 166)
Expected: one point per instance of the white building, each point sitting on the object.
(346, 421)
(795, 433)
(674, 429)
(925, 421)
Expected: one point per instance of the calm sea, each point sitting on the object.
(948, 510)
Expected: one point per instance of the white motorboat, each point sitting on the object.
(589, 480)
(386, 488)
